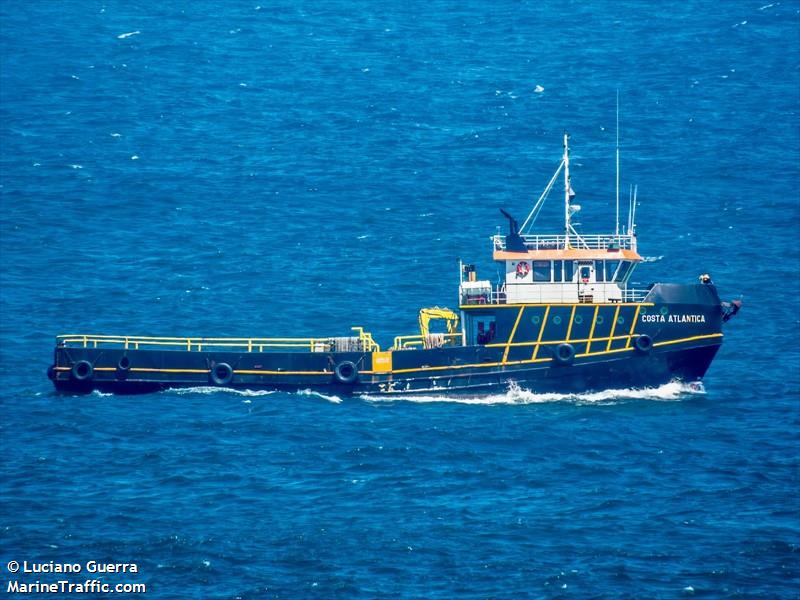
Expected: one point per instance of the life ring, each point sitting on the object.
(564, 354)
(522, 269)
(643, 343)
(82, 371)
(221, 374)
(346, 372)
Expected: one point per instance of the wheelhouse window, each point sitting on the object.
(598, 270)
(624, 270)
(611, 269)
(541, 270)
(569, 270)
(557, 267)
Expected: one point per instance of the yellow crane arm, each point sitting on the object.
(426, 314)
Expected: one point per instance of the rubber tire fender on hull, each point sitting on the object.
(82, 370)
(346, 372)
(643, 343)
(221, 374)
(123, 367)
(124, 363)
(564, 354)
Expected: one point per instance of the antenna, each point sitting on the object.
(616, 228)
(630, 209)
(633, 216)
(567, 190)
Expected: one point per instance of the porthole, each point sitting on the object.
(664, 310)
(536, 319)
(578, 319)
(599, 320)
(620, 320)
(557, 320)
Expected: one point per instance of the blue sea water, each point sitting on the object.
(291, 169)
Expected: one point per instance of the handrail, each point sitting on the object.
(499, 295)
(402, 342)
(634, 294)
(366, 338)
(557, 242)
(254, 344)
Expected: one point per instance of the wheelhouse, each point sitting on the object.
(566, 276)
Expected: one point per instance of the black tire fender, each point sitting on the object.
(346, 372)
(221, 374)
(82, 370)
(643, 343)
(123, 366)
(564, 354)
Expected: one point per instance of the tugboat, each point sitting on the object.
(565, 319)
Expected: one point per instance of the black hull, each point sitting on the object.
(673, 335)
(633, 370)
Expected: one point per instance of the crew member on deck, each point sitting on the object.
(706, 279)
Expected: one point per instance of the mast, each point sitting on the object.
(616, 229)
(567, 190)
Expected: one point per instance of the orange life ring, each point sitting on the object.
(522, 269)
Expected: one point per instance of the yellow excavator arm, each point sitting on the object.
(426, 314)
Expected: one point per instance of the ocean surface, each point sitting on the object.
(295, 168)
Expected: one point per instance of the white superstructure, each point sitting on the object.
(568, 268)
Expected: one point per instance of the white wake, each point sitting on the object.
(675, 390)
(210, 389)
(514, 394)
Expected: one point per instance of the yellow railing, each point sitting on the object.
(402, 342)
(369, 344)
(198, 343)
